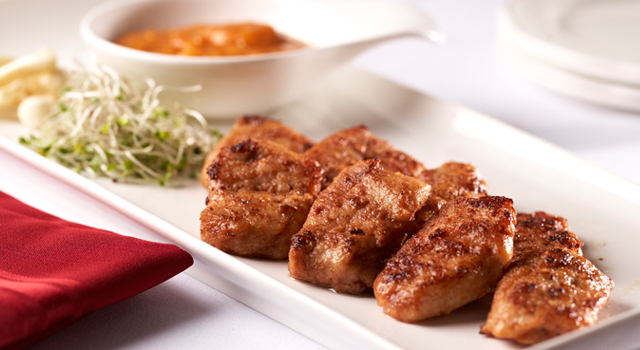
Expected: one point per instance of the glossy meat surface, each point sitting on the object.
(541, 231)
(458, 257)
(259, 196)
(350, 146)
(449, 181)
(257, 127)
(354, 226)
(550, 288)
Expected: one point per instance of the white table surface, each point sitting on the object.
(187, 314)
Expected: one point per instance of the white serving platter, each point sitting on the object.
(601, 208)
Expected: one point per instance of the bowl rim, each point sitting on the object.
(98, 42)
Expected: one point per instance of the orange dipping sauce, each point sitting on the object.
(210, 40)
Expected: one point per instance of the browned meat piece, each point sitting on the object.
(354, 226)
(550, 288)
(259, 196)
(453, 180)
(449, 181)
(541, 231)
(257, 127)
(353, 145)
(458, 257)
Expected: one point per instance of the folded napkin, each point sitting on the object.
(52, 272)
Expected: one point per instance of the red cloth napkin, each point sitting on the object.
(52, 272)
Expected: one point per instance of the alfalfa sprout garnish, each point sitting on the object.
(106, 124)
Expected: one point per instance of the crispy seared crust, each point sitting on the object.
(541, 231)
(458, 257)
(259, 195)
(355, 224)
(449, 181)
(350, 146)
(550, 288)
(257, 127)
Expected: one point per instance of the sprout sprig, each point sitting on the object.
(106, 124)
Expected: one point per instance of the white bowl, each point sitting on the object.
(335, 31)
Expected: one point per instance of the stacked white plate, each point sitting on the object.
(589, 49)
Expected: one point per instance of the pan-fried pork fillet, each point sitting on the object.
(449, 181)
(256, 127)
(541, 231)
(259, 196)
(354, 226)
(550, 288)
(458, 257)
(350, 146)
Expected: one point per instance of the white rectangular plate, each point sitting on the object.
(603, 211)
